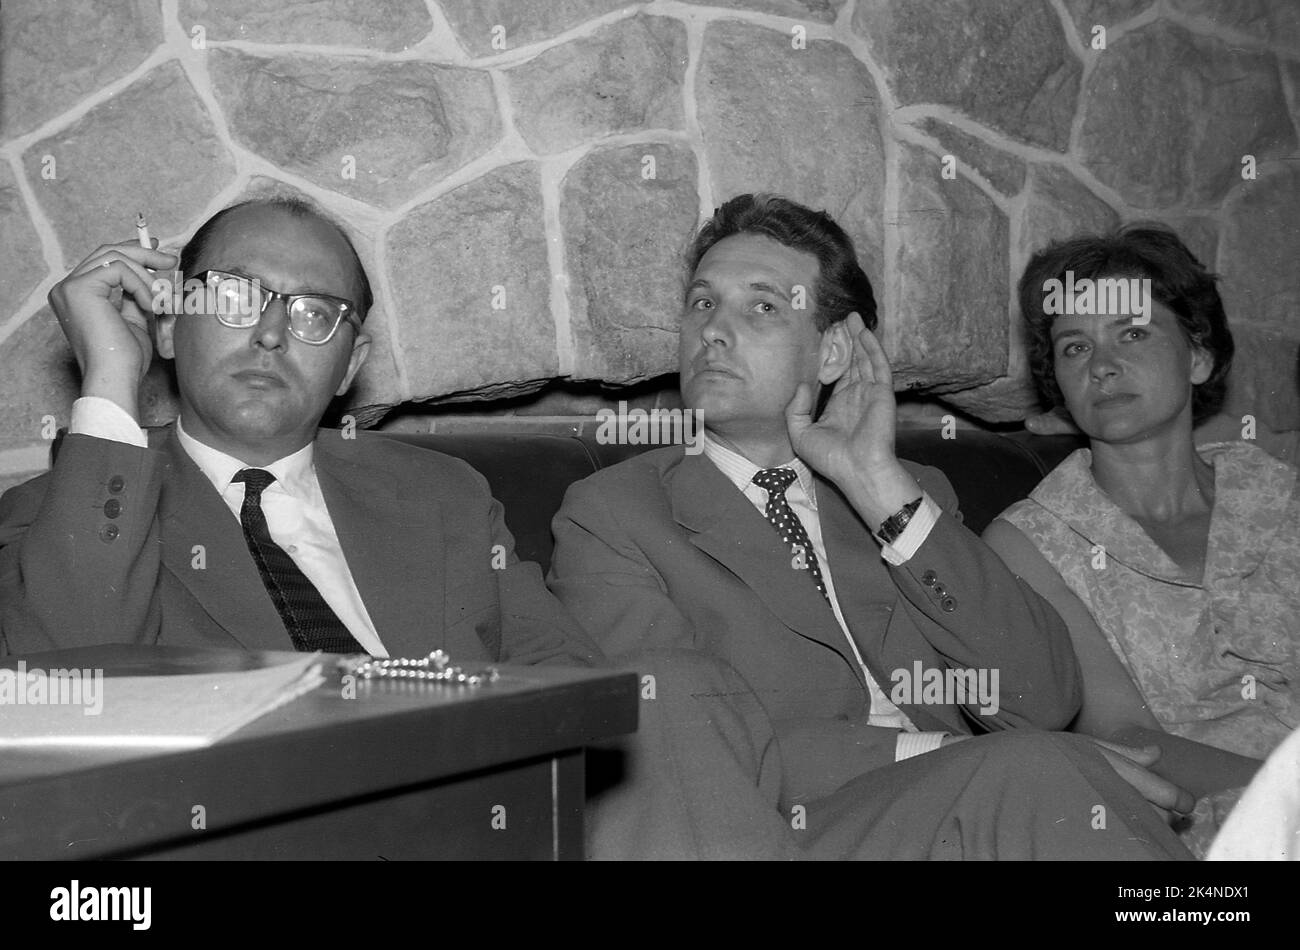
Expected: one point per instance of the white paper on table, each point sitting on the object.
(184, 711)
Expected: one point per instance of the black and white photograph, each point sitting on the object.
(751, 431)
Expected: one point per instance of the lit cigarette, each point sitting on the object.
(142, 231)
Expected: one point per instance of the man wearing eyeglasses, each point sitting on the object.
(243, 523)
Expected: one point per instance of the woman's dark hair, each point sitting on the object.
(1178, 280)
(293, 205)
(842, 285)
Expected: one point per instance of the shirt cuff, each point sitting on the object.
(918, 529)
(917, 743)
(105, 419)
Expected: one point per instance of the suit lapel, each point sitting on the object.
(728, 528)
(204, 548)
(393, 548)
(393, 545)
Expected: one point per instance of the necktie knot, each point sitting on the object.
(775, 480)
(255, 481)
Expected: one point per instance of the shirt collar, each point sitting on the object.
(1251, 490)
(292, 473)
(741, 471)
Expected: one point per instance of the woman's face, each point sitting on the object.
(1123, 381)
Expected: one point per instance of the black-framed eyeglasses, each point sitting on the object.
(238, 302)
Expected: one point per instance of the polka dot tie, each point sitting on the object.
(775, 481)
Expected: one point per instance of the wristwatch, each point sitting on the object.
(893, 525)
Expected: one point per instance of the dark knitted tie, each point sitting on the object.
(787, 523)
(312, 625)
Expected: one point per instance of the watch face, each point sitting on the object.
(895, 523)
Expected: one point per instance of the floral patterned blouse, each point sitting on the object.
(1216, 661)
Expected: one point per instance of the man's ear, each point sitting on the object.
(836, 353)
(360, 350)
(165, 310)
(1202, 365)
(164, 332)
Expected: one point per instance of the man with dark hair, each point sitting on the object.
(243, 524)
(842, 286)
(779, 583)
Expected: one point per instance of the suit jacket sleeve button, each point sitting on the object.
(949, 604)
(928, 578)
(116, 484)
(112, 508)
(108, 533)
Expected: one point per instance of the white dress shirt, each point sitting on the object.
(802, 498)
(295, 511)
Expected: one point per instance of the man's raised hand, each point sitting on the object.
(110, 336)
(852, 443)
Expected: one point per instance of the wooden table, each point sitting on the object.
(402, 771)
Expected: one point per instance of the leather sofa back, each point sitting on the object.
(529, 473)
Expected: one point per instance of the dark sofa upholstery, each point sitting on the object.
(529, 473)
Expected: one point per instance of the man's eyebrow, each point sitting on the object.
(765, 287)
(761, 286)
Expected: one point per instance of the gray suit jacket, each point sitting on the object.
(662, 552)
(418, 529)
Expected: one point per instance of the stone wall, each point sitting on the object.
(521, 175)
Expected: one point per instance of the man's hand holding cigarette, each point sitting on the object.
(110, 336)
